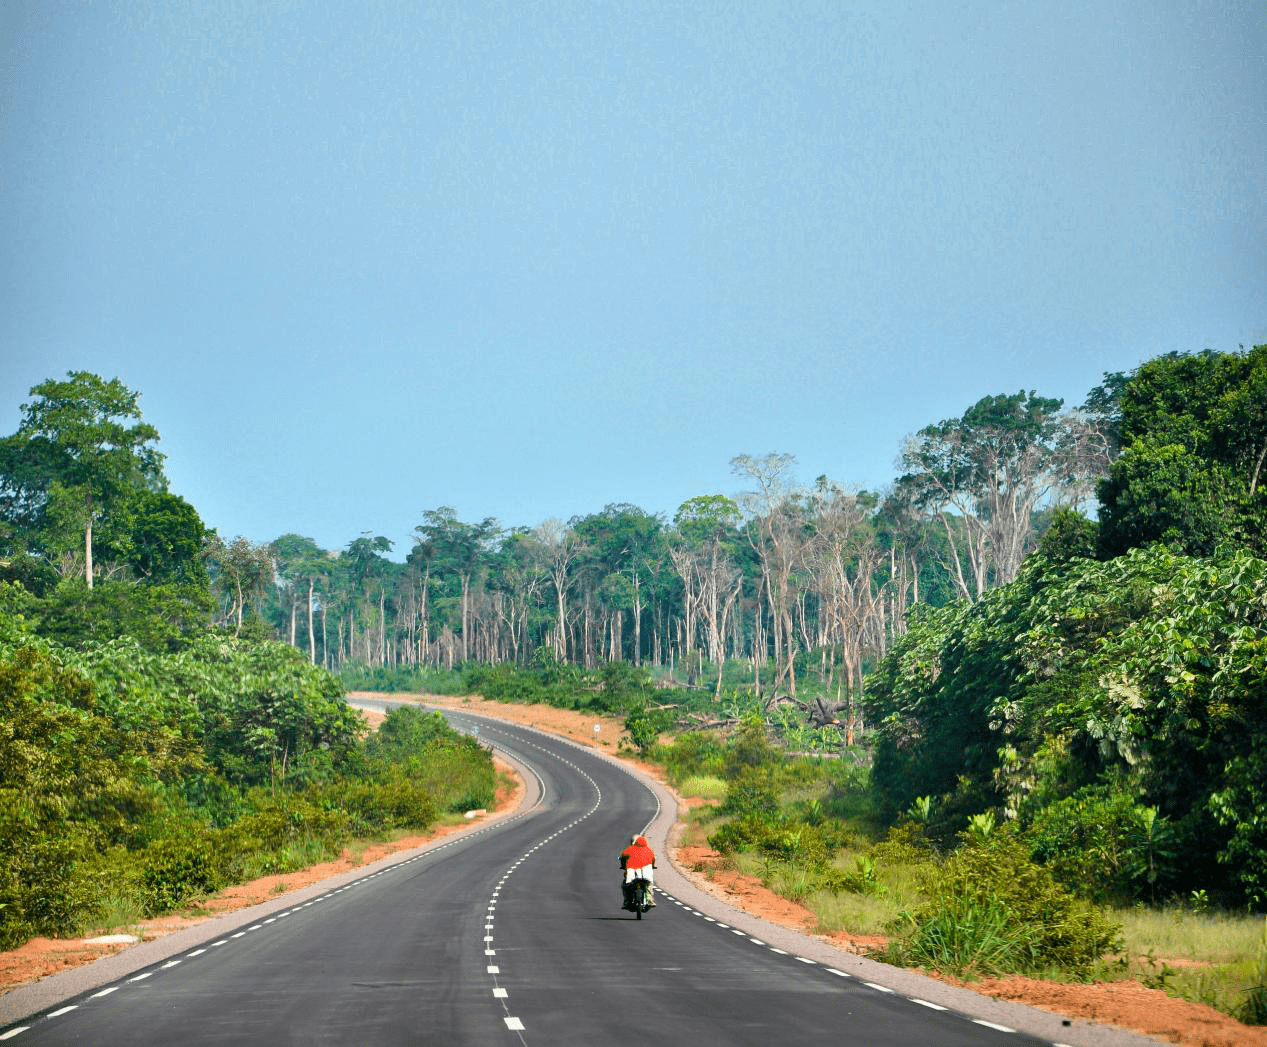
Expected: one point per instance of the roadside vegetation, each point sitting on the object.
(1010, 713)
(135, 782)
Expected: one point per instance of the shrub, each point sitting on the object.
(796, 843)
(645, 726)
(997, 875)
(694, 753)
(505, 683)
(48, 889)
(743, 834)
(751, 748)
(753, 796)
(1099, 842)
(176, 870)
(964, 936)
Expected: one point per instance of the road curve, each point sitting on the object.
(513, 934)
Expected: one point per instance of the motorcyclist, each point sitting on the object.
(638, 862)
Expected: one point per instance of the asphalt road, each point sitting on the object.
(515, 935)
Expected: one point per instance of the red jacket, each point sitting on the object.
(637, 855)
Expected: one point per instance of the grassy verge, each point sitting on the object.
(875, 883)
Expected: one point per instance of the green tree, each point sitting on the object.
(162, 539)
(241, 573)
(368, 570)
(622, 550)
(80, 450)
(701, 549)
(1195, 430)
(460, 548)
(305, 568)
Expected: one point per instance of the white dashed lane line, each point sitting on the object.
(513, 1022)
(814, 963)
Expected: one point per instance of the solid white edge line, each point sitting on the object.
(991, 1025)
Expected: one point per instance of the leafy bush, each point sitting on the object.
(177, 870)
(751, 748)
(967, 937)
(694, 753)
(743, 834)
(49, 888)
(645, 726)
(997, 875)
(504, 683)
(1147, 671)
(752, 794)
(796, 843)
(1099, 842)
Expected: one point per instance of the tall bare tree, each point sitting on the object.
(776, 529)
(562, 547)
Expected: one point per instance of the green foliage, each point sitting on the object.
(1147, 671)
(752, 793)
(966, 937)
(1253, 1009)
(418, 749)
(624, 687)
(751, 749)
(992, 909)
(505, 683)
(177, 870)
(160, 616)
(1195, 429)
(1166, 493)
(775, 839)
(1068, 536)
(1100, 843)
(80, 454)
(160, 537)
(166, 774)
(356, 676)
(693, 753)
(646, 725)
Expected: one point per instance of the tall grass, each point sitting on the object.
(703, 787)
(967, 937)
(1179, 933)
(1215, 958)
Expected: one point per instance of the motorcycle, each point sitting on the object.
(640, 896)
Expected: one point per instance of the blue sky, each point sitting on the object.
(527, 259)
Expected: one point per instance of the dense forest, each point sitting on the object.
(1055, 618)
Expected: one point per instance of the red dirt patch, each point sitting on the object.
(1128, 1005)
